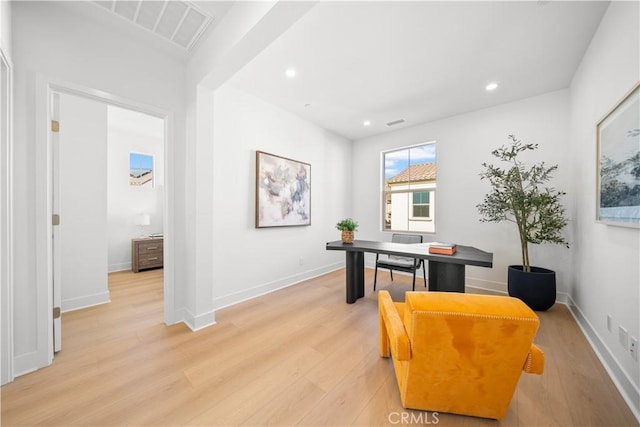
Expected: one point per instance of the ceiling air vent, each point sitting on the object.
(395, 122)
(180, 22)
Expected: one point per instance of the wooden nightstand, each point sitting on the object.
(146, 252)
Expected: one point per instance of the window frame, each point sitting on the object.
(386, 194)
(413, 216)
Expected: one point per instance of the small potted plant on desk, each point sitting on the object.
(347, 226)
(518, 195)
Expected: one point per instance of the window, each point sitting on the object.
(421, 204)
(141, 169)
(409, 186)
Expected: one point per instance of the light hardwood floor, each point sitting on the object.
(299, 356)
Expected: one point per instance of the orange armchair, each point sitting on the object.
(458, 353)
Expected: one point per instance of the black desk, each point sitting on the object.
(446, 272)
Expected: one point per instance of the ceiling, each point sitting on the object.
(387, 61)
(419, 61)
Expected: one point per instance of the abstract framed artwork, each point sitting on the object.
(618, 162)
(141, 170)
(283, 191)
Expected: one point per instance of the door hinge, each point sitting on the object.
(55, 126)
(55, 219)
(56, 312)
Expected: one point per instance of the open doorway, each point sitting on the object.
(93, 195)
(135, 185)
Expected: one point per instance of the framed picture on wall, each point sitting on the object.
(283, 191)
(141, 170)
(618, 175)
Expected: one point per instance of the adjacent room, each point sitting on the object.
(320, 212)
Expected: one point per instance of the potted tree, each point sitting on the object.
(519, 195)
(347, 226)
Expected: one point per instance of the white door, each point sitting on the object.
(80, 199)
(55, 192)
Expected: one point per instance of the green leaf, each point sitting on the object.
(518, 194)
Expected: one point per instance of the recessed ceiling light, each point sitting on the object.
(366, 123)
(290, 72)
(491, 86)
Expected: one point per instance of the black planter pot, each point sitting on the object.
(536, 288)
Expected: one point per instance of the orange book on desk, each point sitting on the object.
(443, 249)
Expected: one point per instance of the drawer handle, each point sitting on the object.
(152, 247)
(153, 259)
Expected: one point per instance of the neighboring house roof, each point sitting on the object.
(421, 172)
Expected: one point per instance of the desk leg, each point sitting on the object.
(446, 277)
(355, 276)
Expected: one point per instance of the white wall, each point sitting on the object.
(606, 278)
(5, 27)
(249, 261)
(131, 131)
(463, 143)
(45, 40)
(241, 34)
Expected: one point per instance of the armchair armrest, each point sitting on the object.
(534, 364)
(393, 338)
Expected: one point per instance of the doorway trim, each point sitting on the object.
(6, 227)
(44, 89)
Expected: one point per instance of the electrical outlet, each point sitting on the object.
(633, 348)
(609, 323)
(301, 261)
(623, 337)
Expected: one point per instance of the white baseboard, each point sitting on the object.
(28, 362)
(172, 317)
(204, 320)
(195, 323)
(625, 385)
(85, 302)
(265, 288)
(486, 285)
(119, 267)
